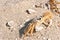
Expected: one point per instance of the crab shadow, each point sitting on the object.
(21, 31)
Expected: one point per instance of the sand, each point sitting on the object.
(15, 10)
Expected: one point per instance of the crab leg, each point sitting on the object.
(27, 30)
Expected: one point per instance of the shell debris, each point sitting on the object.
(29, 11)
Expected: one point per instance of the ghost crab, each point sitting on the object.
(53, 6)
(35, 23)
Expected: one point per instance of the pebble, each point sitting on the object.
(10, 23)
(29, 11)
(49, 39)
(38, 37)
(44, 38)
(21, 25)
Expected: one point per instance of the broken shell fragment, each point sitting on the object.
(49, 39)
(44, 38)
(10, 23)
(29, 11)
(39, 6)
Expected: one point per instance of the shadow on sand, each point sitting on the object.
(21, 31)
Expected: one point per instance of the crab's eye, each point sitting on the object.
(39, 19)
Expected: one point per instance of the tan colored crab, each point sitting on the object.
(53, 6)
(30, 29)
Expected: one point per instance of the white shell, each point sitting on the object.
(38, 28)
(31, 10)
(49, 38)
(11, 23)
(44, 38)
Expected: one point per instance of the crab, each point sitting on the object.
(50, 5)
(35, 23)
(53, 6)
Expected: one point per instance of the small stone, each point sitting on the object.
(10, 23)
(44, 38)
(21, 25)
(38, 37)
(49, 39)
(29, 11)
(39, 6)
(47, 6)
(44, 6)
